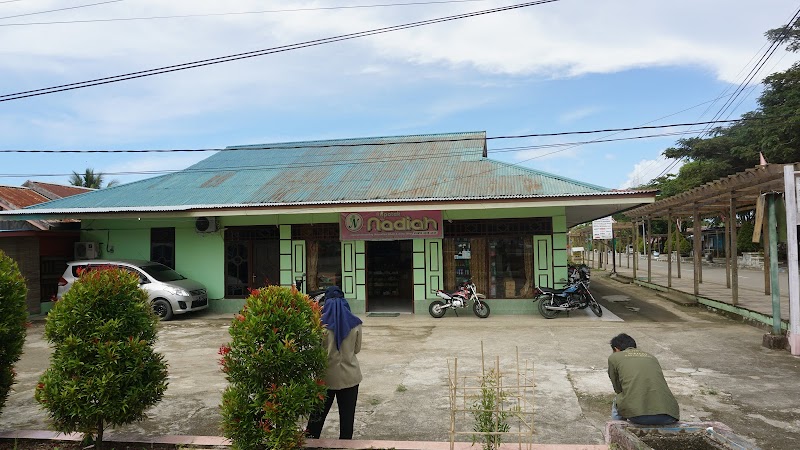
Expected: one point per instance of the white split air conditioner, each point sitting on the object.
(205, 224)
(87, 250)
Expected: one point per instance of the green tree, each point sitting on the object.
(744, 238)
(773, 130)
(103, 370)
(90, 179)
(274, 364)
(680, 244)
(13, 322)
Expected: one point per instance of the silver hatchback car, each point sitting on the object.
(170, 292)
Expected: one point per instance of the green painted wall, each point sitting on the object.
(202, 256)
(197, 256)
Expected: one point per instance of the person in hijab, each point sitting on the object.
(343, 341)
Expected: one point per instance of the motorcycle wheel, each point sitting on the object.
(481, 309)
(547, 313)
(437, 309)
(596, 309)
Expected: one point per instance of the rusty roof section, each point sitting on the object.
(714, 197)
(14, 197)
(55, 191)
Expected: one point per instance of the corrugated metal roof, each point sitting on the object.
(55, 191)
(394, 168)
(13, 197)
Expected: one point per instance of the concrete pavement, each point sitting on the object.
(752, 300)
(715, 366)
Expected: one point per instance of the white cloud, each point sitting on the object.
(525, 47)
(578, 114)
(647, 169)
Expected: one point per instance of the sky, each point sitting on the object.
(556, 67)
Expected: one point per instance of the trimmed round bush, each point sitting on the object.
(13, 322)
(274, 364)
(103, 370)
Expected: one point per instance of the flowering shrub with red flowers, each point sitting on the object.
(274, 364)
(13, 321)
(103, 370)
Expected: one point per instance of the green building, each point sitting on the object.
(389, 219)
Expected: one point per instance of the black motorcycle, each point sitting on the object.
(317, 295)
(575, 296)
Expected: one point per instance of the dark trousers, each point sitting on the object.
(346, 401)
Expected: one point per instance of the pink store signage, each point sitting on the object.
(390, 225)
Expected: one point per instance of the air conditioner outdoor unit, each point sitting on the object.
(205, 224)
(86, 250)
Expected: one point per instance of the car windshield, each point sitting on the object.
(162, 273)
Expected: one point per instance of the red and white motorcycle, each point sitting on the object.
(459, 299)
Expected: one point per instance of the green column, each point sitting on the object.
(773, 264)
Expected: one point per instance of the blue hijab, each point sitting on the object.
(336, 315)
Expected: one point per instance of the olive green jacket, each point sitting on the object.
(640, 385)
(343, 368)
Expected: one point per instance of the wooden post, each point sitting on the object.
(765, 238)
(635, 247)
(728, 252)
(630, 245)
(696, 229)
(734, 256)
(678, 254)
(669, 249)
(649, 250)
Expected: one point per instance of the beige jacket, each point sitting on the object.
(343, 368)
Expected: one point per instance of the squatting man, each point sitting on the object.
(643, 396)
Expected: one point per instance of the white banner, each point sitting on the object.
(602, 228)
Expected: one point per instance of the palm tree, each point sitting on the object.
(90, 179)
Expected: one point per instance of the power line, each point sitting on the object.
(742, 86)
(370, 160)
(61, 9)
(268, 11)
(289, 146)
(252, 54)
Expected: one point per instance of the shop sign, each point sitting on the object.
(603, 228)
(390, 225)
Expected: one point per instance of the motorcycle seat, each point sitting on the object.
(546, 290)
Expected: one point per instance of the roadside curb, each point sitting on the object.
(219, 441)
(677, 297)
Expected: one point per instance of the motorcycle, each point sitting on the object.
(578, 273)
(575, 296)
(459, 299)
(317, 295)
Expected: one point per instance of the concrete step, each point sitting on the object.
(678, 298)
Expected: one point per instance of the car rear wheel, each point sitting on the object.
(162, 308)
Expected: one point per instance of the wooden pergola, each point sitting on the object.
(722, 198)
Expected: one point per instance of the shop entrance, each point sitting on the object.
(390, 280)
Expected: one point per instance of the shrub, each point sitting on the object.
(103, 370)
(274, 364)
(490, 418)
(13, 320)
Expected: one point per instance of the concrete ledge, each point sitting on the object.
(775, 341)
(678, 298)
(219, 441)
(626, 435)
